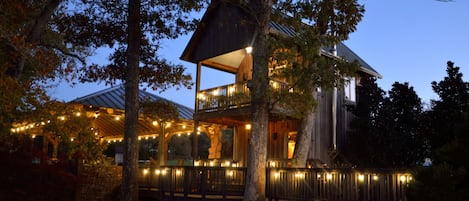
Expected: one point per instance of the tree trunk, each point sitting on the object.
(34, 35)
(129, 188)
(303, 138)
(257, 154)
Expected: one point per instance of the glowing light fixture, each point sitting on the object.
(402, 178)
(230, 173)
(276, 175)
(248, 126)
(299, 175)
(248, 50)
(329, 176)
(361, 177)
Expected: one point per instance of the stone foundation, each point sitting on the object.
(98, 183)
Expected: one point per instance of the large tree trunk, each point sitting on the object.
(303, 138)
(257, 154)
(129, 188)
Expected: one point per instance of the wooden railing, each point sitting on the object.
(281, 183)
(201, 182)
(230, 96)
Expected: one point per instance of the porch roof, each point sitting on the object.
(111, 104)
(114, 97)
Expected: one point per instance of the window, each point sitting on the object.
(349, 88)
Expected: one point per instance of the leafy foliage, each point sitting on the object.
(389, 126)
(103, 24)
(453, 100)
(32, 56)
(448, 176)
(159, 109)
(365, 125)
(296, 59)
(405, 143)
(24, 180)
(73, 129)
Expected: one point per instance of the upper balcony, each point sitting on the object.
(231, 100)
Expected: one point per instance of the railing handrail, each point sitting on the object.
(281, 183)
(230, 96)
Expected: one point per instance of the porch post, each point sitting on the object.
(195, 140)
(162, 148)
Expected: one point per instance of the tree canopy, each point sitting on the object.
(390, 126)
(453, 93)
(448, 127)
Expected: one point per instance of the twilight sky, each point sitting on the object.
(405, 41)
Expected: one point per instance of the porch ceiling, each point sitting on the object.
(228, 62)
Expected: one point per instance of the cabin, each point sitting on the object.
(223, 41)
(221, 116)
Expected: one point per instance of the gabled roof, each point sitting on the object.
(345, 52)
(342, 50)
(225, 28)
(114, 98)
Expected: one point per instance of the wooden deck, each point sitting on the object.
(227, 183)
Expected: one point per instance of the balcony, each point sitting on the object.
(232, 96)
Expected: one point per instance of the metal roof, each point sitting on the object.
(342, 50)
(114, 97)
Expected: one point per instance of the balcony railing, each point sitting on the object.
(231, 96)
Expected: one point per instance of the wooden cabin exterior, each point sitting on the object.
(222, 42)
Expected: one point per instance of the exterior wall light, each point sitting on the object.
(248, 50)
